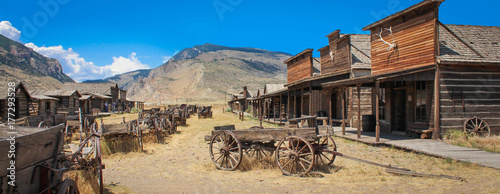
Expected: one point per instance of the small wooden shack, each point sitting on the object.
(46, 105)
(21, 101)
(69, 100)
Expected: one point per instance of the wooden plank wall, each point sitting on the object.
(415, 40)
(480, 86)
(300, 68)
(366, 104)
(3, 109)
(22, 97)
(340, 62)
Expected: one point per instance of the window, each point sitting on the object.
(47, 107)
(381, 104)
(420, 101)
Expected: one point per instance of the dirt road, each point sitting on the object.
(183, 166)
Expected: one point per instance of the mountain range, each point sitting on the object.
(20, 63)
(205, 72)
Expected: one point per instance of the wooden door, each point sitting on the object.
(399, 110)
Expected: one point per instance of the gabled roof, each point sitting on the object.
(100, 88)
(86, 97)
(4, 89)
(269, 88)
(403, 12)
(42, 97)
(57, 93)
(469, 44)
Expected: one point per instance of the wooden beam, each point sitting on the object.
(274, 110)
(311, 112)
(437, 87)
(288, 105)
(294, 103)
(343, 110)
(359, 110)
(280, 104)
(330, 107)
(301, 102)
(377, 99)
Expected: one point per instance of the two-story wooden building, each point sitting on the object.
(427, 76)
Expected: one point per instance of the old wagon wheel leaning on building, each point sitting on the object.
(322, 158)
(477, 126)
(295, 156)
(226, 151)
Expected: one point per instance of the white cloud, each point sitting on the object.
(80, 70)
(8, 31)
(75, 66)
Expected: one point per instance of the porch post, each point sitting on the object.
(330, 107)
(359, 110)
(437, 90)
(288, 105)
(377, 99)
(294, 103)
(301, 102)
(343, 110)
(281, 104)
(274, 110)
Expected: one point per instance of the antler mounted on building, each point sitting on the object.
(391, 45)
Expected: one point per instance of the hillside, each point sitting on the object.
(124, 80)
(207, 72)
(20, 63)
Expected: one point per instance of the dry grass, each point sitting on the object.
(460, 138)
(183, 162)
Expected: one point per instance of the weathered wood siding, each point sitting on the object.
(415, 41)
(43, 110)
(300, 68)
(326, 60)
(22, 102)
(340, 50)
(468, 91)
(366, 104)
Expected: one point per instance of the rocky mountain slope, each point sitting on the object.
(20, 63)
(124, 80)
(208, 72)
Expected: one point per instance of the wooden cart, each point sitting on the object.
(296, 149)
(39, 161)
(205, 112)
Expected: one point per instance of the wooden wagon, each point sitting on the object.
(296, 149)
(205, 111)
(36, 160)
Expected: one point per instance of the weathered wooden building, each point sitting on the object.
(427, 76)
(346, 56)
(21, 101)
(69, 100)
(239, 101)
(45, 105)
(275, 103)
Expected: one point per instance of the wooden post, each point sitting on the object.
(330, 108)
(377, 111)
(81, 122)
(274, 110)
(359, 110)
(281, 104)
(294, 103)
(288, 105)
(343, 110)
(301, 102)
(311, 112)
(437, 90)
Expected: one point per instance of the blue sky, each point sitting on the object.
(122, 35)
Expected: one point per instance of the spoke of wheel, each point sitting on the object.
(288, 162)
(218, 143)
(302, 149)
(303, 167)
(232, 149)
(306, 154)
(302, 159)
(219, 158)
(230, 145)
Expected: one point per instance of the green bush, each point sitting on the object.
(248, 110)
(135, 110)
(228, 109)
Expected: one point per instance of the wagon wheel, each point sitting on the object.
(225, 150)
(477, 126)
(322, 158)
(258, 152)
(43, 124)
(295, 156)
(68, 186)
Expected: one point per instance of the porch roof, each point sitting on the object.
(372, 78)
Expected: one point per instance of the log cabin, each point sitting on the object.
(68, 100)
(427, 76)
(46, 105)
(21, 104)
(106, 89)
(239, 101)
(86, 103)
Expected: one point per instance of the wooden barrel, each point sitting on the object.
(368, 123)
